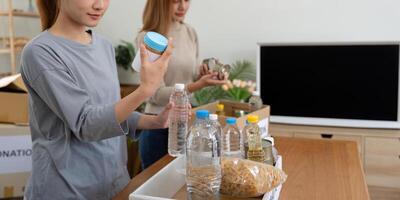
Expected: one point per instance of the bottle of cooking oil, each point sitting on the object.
(220, 109)
(253, 140)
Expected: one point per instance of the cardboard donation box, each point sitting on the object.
(231, 108)
(174, 173)
(13, 100)
(155, 188)
(15, 159)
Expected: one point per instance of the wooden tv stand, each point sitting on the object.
(379, 148)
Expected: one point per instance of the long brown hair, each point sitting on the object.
(157, 16)
(48, 10)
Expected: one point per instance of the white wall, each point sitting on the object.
(230, 29)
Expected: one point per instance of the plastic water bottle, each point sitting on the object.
(203, 161)
(178, 121)
(255, 101)
(253, 140)
(216, 128)
(232, 140)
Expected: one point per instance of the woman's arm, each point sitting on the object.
(155, 121)
(45, 73)
(202, 77)
(151, 76)
(162, 94)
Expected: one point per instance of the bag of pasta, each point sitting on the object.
(246, 178)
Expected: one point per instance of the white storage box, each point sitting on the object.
(15, 159)
(166, 183)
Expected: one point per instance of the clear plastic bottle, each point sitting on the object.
(203, 161)
(178, 121)
(255, 101)
(253, 141)
(232, 140)
(215, 124)
(216, 128)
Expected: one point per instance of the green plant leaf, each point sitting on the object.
(130, 47)
(243, 70)
(208, 95)
(124, 54)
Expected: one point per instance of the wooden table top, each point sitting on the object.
(316, 169)
(321, 169)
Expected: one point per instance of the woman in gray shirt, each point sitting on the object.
(78, 121)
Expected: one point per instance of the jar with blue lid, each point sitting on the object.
(155, 44)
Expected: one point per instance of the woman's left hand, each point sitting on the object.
(162, 118)
(203, 70)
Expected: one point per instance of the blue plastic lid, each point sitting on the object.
(202, 114)
(231, 120)
(156, 41)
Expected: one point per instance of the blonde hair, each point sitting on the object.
(48, 10)
(157, 16)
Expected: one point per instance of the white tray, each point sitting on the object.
(168, 181)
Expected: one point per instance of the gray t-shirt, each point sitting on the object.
(79, 148)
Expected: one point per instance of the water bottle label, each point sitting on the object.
(182, 129)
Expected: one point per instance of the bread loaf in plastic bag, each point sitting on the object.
(246, 178)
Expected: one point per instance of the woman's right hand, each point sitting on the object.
(152, 73)
(151, 76)
(209, 79)
(204, 69)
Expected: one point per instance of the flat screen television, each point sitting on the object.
(331, 84)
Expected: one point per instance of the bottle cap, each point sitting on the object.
(213, 117)
(252, 119)
(156, 41)
(179, 87)
(231, 120)
(202, 114)
(220, 107)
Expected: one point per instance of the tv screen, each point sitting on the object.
(345, 81)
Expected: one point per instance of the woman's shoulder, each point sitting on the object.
(101, 39)
(139, 38)
(188, 27)
(41, 40)
(190, 30)
(39, 46)
(141, 34)
(40, 54)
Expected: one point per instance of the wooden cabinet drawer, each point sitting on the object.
(382, 161)
(328, 136)
(279, 133)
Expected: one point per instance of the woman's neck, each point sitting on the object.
(175, 25)
(67, 28)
